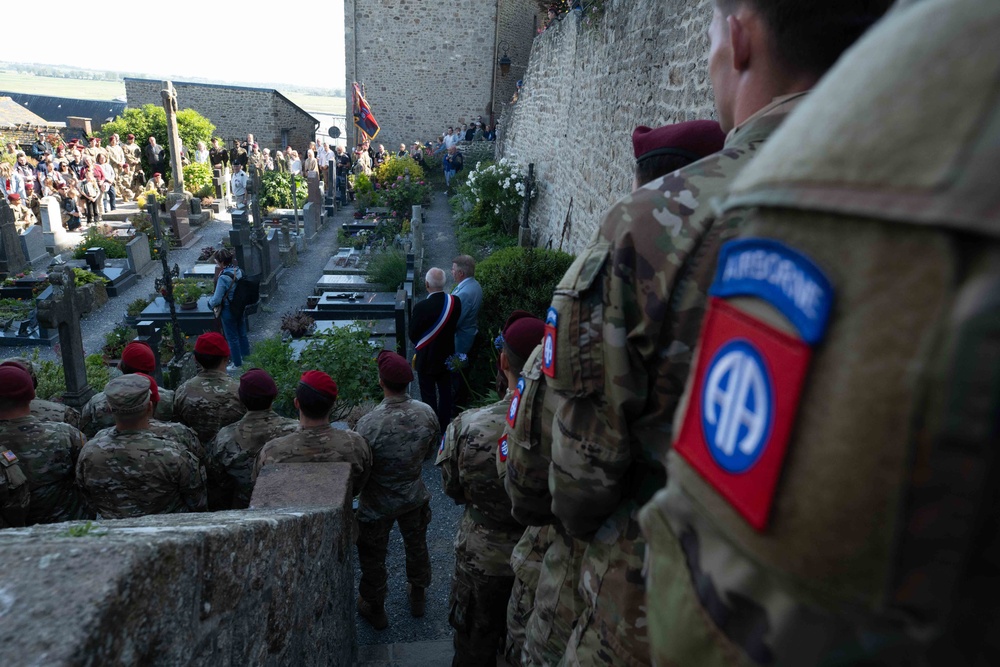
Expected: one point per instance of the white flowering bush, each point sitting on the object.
(492, 196)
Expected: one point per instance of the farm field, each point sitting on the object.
(86, 89)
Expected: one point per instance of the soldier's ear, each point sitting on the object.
(740, 39)
(504, 362)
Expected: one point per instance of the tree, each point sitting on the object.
(151, 120)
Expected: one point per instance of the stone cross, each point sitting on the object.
(12, 260)
(169, 96)
(63, 312)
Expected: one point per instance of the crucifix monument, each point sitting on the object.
(12, 259)
(63, 312)
(169, 97)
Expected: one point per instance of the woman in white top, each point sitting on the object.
(294, 163)
(311, 165)
(201, 155)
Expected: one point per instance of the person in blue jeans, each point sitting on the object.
(234, 328)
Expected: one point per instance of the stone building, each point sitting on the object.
(273, 119)
(428, 65)
(588, 85)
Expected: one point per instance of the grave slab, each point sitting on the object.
(57, 239)
(180, 226)
(33, 247)
(341, 283)
(139, 257)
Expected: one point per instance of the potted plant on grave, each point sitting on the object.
(297, 324)
(206, 254)
(134, 310)
(187, 291)
(114, 342)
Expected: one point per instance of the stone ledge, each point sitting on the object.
(227, 588)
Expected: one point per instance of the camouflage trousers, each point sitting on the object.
(558, 604)
(373, 543)
(478, 607)
(526, 561)
(613, 628)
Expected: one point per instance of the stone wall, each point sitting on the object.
(519, 20)
(265, 587)
(235, 111)
(428, 65)
(587, 87)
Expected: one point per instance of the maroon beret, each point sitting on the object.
(154, 391)
(14, 196)
(321, 382)
(694, 140)
(212, 343)
(130, 136)
(16, 384)
(156, 173)
(257, 383)
(394, 368)
(139, 356)
(522, 334)
(29, 186)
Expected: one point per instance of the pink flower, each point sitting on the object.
(399, 178)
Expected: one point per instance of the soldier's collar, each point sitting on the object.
(753, 128)
(396, 399)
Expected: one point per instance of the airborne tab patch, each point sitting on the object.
(549, 343)
(749, 374)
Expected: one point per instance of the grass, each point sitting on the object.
(86, 89)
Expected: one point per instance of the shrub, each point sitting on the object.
(390, 170)
(85, 277)
(135, 308)
(513, 279)
(116, 340)
(15, 309)
(198, 178)
(345, 353)
(387, 269)
(187, 290)
(364, 191)
(491, 196)
(481, 242)
(52, 377)
(151, 119)
(113, 248)
(276, 190)
(401, 196)
(297, 324)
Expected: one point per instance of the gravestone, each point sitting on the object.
(179, 224)
(310, 221)
(287, 249)
(12, 259)
(315, 198)
(272, 247)
(33, 246)
(62, 311)
(240, 218)
(243, 249)
(139, 258)
(169, 98)
(56, 237)
(151, 333)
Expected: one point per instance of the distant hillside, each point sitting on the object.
(89, 89)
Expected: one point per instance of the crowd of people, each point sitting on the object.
(699, 458)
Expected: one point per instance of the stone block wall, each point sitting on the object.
(586, 89)
(235, 111)
(519, 20)
(272, 587)
(428, 65)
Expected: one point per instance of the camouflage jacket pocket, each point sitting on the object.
(578, 305)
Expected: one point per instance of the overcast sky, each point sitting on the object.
(288, 41)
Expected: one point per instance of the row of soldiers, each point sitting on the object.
(138, 449)
(761, 426)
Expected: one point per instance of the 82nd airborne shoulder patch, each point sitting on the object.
(549, 343)
(749, 374)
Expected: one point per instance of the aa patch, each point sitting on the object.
(515, 403)
(502, 448)
(750, 374)
(549, 343)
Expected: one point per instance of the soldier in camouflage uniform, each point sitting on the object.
(48, 451)
(488, 534)
(133, 153)
(209, 400)
(625, 317)
(23, 217)
(867, 532)
(317, 441)
(137, 357)
(234, 450)
(400, 432)
(128, 470)
(14, 492)
(45, 410)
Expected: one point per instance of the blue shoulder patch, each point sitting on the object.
(780, 275)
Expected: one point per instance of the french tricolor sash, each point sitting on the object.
(449, 308)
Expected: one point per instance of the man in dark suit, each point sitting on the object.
(432, 332)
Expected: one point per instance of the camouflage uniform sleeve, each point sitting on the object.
(447, 458)
(192, 483)
(14, 494)
(611, 305)
(361, 467)
(72, 417)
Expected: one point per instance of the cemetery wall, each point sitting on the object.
(235, 111)
(268, 587)
(587, 87)
(428, 65)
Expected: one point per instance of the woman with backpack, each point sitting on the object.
(234, 328)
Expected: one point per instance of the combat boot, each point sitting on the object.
(376, 617)
(418, 599)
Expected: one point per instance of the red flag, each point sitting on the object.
(363, 118)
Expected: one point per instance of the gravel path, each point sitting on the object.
(440, 247)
